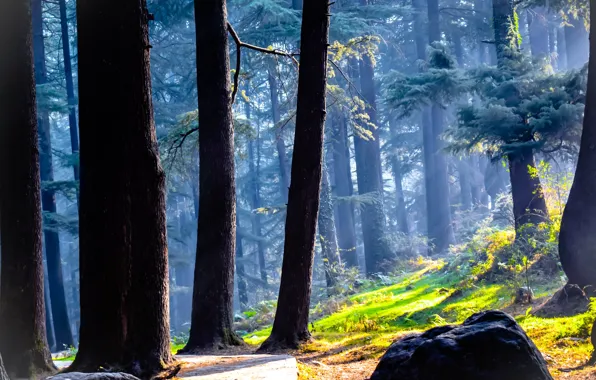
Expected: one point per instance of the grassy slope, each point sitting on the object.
(370, 321)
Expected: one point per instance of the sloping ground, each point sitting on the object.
(246, 367)
(349, 342)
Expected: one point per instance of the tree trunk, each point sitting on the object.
(255, 196)
(577, 241)
(529, 205)
(284, 166)
(123, 243)
(328, 235)
(23, 340)
(464, 184)
(346, 230)
(290, 326)
(538, 27)
(503, 14)
(561, 49)
(212, 309)
(576, 43)
(240, 273)
(369, 175)
(70, 95)
(62, 332)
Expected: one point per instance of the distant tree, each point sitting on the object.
(577, 239)
(23, 340)
(123, 252)
(290, 326)
(327, 233)
(212, 311)
(62, 333)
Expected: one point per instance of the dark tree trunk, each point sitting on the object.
(62, 332)
(328, 235)
(502, 15)
(401, 213)
(255, 196)
(23, 340)
(346, 230)
(212, 307)
(123, 251)
(148, 313)
(529, 205)
(290, 326)
(240, 273)
(368, 170)
(577, 240)
(72, 112)
(284, 166)
(538, 27)
(576, 43)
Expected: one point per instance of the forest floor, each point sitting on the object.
(355, 331)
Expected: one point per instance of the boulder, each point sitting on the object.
(93, 376)
(489, 345)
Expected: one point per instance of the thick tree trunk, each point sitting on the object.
(62, 332)
(212, 309)
(346, 230)
(290, 326)
(123, 243)
(503, 14)
(576, 43)
(284, 166)
(23, 340)
(529, 205)
(328, 235)
(70, 95)
(369, 175)
(577, 240)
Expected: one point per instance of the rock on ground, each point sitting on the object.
(93, 376)
(488, 346)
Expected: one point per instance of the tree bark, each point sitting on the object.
(346, 230)
(577, 241)
(70, 95)
(23, 340)
(529, 205)
(290, 326)
(62, 332)
(369, 175)
(123, 242)
(284, 166)
(328, 234)
(212, 309)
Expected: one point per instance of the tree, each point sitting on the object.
(23, 341)
(327, 233)
(123, 252)
(576, 239)
(62, 333)
(290, 326)
(212, 312)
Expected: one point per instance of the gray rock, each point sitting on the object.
(488, 346)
